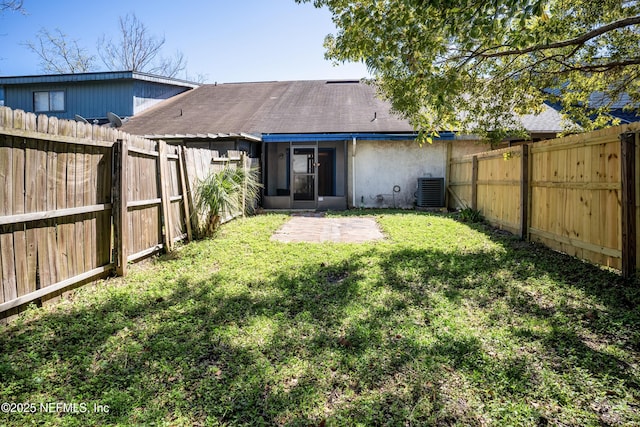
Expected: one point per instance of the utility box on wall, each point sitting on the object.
(430, 193)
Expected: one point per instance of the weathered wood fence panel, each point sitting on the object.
(78, 201)
(176, 193)
(144, 202)
(565, 193)
(55, 200)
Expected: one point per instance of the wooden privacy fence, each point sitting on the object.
(151, 211)
(78, 201)
(574, 194)
(492, 183)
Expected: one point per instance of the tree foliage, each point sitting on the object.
(469, 64)
(59, 54)
(138, 50)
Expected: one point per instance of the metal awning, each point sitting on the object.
(212, 136)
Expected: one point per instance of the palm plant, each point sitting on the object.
(227, 193)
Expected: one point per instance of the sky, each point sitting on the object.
(222, 40)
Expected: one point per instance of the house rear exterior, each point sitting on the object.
(322, 144)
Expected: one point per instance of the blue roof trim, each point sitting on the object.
(311, 137)
(94, 76)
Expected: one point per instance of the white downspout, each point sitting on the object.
(353, 173)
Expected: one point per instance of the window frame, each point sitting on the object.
(50, 106)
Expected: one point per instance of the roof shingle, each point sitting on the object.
(311, 106)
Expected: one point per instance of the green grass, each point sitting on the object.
(443, 323)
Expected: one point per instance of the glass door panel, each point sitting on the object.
(303, 187)
(303, 160)
(304, 168)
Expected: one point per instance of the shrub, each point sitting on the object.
(470, 215)
(220, 195)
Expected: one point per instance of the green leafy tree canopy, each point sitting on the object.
(469, 65)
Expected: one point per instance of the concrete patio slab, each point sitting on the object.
(315, 229)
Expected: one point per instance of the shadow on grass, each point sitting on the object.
(387, 335)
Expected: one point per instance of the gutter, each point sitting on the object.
(372, 136)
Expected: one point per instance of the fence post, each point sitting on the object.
(243, 161)
(447, 174)
(120, 218)
(524, 193)
(164, 198)
(185, 195)
(627, 153)
(474, 183)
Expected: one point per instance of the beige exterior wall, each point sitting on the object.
(382, 165)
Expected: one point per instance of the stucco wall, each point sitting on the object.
(382, 165)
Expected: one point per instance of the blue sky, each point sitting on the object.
(224, 40)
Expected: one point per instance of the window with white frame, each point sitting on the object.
(52, 100)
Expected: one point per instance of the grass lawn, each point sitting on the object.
(441, 324)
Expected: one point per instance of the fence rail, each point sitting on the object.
(78, 201)
(568, 193)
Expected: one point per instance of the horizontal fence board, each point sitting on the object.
(143, 152)
(56, 138)
(56, 287)
(615, 253)
(572, 145)
(507, 183)
(143, 203)
(38, 216)
(145, 253)
(579, 185)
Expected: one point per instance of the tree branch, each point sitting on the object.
(15, 5)
(580, 40)
(601, 68)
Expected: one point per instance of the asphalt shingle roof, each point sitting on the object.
(311, 106)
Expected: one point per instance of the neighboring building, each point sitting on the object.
(623, 108)
(323, 144)
(90, 95)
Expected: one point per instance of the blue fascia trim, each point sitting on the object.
(93, 77)
(313, 137)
